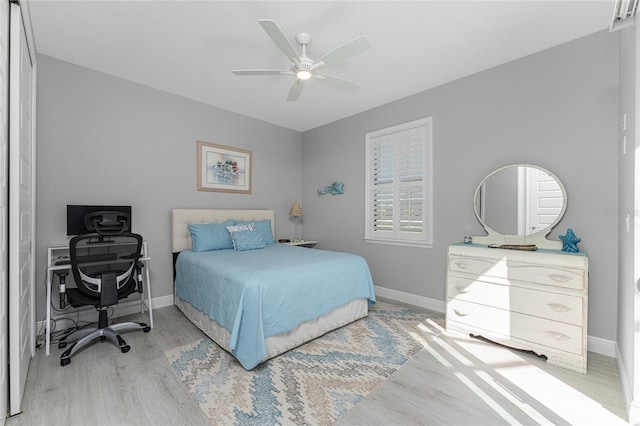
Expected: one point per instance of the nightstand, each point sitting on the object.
(307, 244)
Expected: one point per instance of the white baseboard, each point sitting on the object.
(602, 346)
(162, 301)
(66, 320)
(594, 344)
(411, 299)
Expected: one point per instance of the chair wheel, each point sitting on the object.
(64, 361)
(125, 349)
(62, 345)
(146, 329)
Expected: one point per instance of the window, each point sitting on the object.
(399, 206)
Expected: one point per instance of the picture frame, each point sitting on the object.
(223, 168)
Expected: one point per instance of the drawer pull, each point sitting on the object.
(556, 307)
(559, 278)
(460, 289)
(557, 335)
(461, 313)
(463, 265)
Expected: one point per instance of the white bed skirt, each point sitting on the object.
(282, 342)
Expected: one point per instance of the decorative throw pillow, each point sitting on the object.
(245, 237)
(247, 240)
(210, 236)
(233, 227)
(263, 227)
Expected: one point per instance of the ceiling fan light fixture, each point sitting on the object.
(303, 67)
(303, 74)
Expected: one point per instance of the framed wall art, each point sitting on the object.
(223, 168)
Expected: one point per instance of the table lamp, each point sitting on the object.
(295, 211)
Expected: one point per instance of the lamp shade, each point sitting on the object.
(296, 210)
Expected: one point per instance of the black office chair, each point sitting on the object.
(106, 267)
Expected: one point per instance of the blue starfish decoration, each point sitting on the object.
(569, 241)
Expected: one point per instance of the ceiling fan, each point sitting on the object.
(305, 68)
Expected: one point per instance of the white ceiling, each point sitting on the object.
(190, 47)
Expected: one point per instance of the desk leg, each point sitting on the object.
(149, 306)
(48, 320)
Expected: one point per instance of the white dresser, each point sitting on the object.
(532, 300)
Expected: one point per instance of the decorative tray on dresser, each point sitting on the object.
(531, 300)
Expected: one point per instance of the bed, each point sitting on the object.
(257, 304)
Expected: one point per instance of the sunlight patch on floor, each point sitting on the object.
(512, 381)
(565, 401)
(508, 395)
(481, 394)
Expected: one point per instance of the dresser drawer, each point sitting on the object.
(509, 324)
(503, 270)
(553, 306)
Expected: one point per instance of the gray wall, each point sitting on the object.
(627, 204)
(104, 140)
(557, 109)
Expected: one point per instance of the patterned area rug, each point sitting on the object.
(312, 384)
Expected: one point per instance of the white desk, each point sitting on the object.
(61, 252)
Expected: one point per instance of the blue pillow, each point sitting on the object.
(210, 236)
(263, 227)
(247, 240)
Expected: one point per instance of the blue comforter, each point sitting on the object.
(259, 293)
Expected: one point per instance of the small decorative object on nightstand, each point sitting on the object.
(302, 243)
(295, 212)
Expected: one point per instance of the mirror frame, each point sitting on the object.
(538, 238)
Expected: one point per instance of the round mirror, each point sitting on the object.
(520, 200)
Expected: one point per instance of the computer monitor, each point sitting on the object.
(76, 214)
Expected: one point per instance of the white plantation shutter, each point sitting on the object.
(411, 170)
(383, 159)
(398, 184)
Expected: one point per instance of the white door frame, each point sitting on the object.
(634, 403)
(21, 204)
(4, 201)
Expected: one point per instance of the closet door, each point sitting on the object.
(4, 135)
(21, 202)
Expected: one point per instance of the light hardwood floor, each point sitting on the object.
(455, 380)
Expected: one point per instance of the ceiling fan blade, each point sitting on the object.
(346, 51)
(296, 90)
(281, 41)
(262, 72)
(337, 82)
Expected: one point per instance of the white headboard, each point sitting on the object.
(181, 218)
